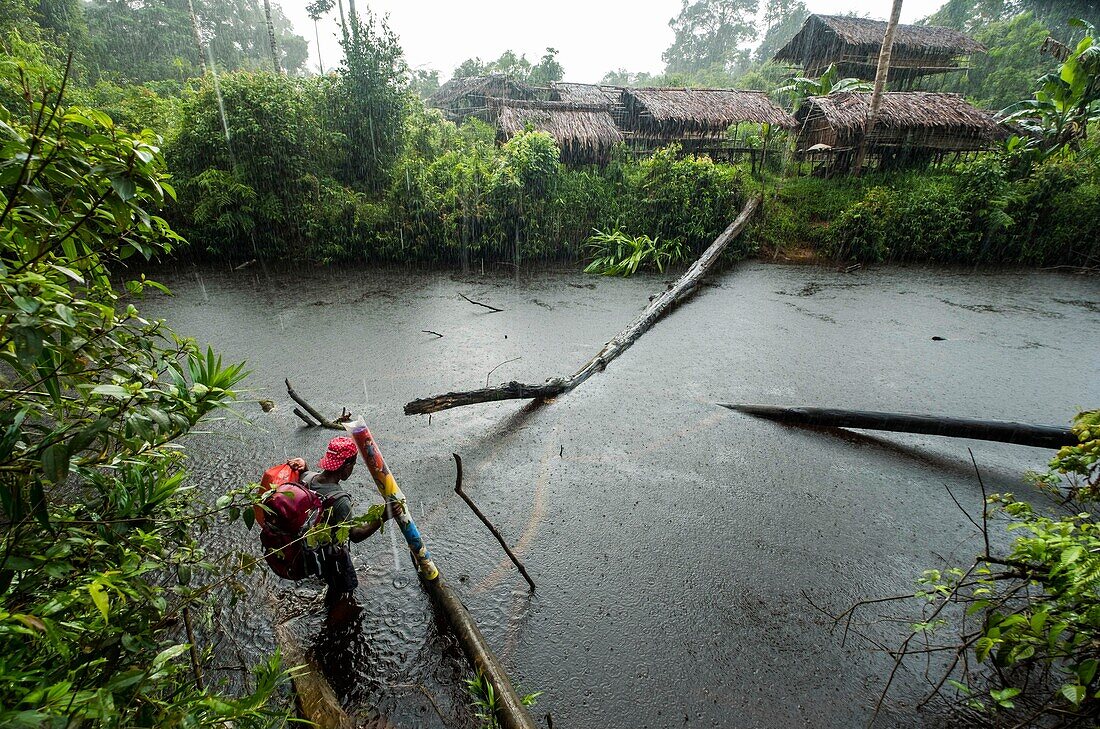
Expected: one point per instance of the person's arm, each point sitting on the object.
(359, 533)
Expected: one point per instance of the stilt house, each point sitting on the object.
(853, 45)
(911, 127)
(586, 133)
(461, 98)
(698, 119)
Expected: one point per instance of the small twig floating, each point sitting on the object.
(325, 422)
(487, 523)
(514, 359)
(429, 331)
(478, 303)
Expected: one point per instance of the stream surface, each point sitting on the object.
(676, 545)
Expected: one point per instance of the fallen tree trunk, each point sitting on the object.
(1040, 436)
(510, 713)
(682, 289)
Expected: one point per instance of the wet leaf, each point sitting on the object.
(99, 597)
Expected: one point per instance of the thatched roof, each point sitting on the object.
(905, 118)
(901, 109)
(496, 86)
(863, 35)
(584, 93)
(585, 132)
(703, 110)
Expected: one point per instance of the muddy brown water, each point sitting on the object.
(676, 545)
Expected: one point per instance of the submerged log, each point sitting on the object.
(682, 289)
(1039, 436)
(325, 422)
(317, 702)
(511, 713)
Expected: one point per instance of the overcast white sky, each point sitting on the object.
(593, 36)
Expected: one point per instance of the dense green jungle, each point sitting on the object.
(195, 131)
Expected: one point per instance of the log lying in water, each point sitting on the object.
(1040, 436)
(682, 289)
(317, 701)
(511, 713)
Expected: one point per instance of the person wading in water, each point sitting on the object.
(335, 466)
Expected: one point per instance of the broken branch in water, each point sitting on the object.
(305, 418)
(666, 300)
(429, 331)
(478, 303)
(325, 422)
(487, 523)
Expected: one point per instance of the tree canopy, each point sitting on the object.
(517, 67)
(145, 40)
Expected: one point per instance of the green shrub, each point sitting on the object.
(244, 178)
(862, 231)
(687, 198)
(617, 254)
(98, 526)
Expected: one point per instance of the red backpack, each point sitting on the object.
(290, 510)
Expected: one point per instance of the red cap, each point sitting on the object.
(340, 449)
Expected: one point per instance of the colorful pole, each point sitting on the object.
(387, 486)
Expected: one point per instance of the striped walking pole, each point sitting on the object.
(387, 486)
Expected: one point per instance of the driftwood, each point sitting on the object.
(305, 418)
(478, 303)
(429, 331)
(682, 289)
(325, 422)
(317, 702)
(488, 524)
(1039, 436)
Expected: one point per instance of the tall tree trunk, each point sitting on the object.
(343, 21)
(317, 35)
(271, 37)
(196, 35)
(880, 84)
(353, 18)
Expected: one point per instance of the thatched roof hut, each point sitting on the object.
(590, 94)
(853, 44)
(668, 113)
(463, 97)
(586, 133)
(906, 119)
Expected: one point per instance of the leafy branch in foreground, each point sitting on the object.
(1021, 631)
(96, 518)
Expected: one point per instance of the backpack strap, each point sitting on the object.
(327, 500)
